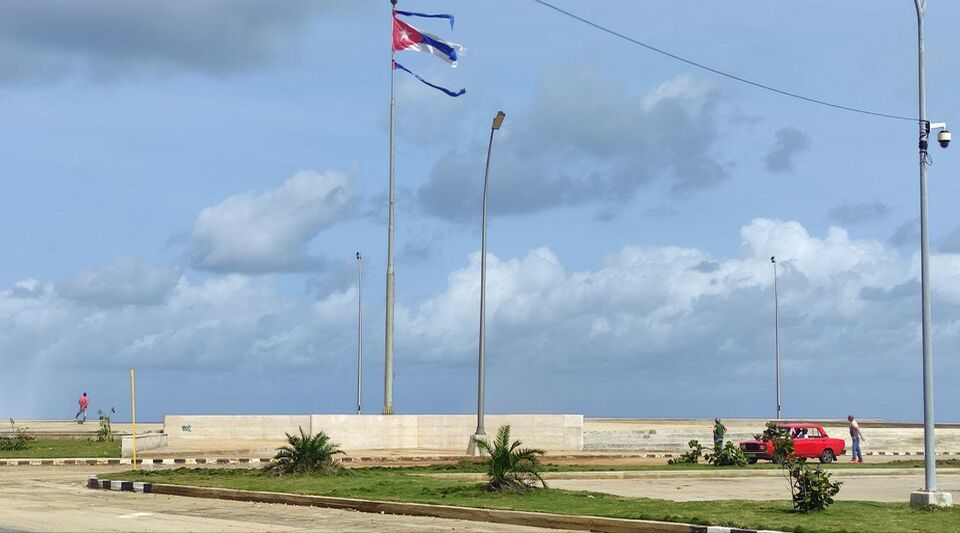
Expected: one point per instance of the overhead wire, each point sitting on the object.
(719, 72)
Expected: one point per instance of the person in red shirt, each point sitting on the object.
(84, 402)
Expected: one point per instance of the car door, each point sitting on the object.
(815, 442)
(804, 446)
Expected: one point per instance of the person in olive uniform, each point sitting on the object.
(719, 430)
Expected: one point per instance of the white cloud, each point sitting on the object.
(224, 322)
(269, 232)
(128, 281)
(672, 324)
(648, 302)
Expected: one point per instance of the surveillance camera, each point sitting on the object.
(944, 138)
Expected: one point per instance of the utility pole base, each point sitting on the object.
(922, 498)
(472, 448)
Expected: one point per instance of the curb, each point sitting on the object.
(517, 518)
(125, 486)
(359, 460)
(909, 453)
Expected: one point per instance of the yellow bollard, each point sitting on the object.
(133, 417)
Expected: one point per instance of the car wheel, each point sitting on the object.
(752, 460)
(827, 456)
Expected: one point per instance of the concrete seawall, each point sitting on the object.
(634, 435)
(554, 433)
(375, 432)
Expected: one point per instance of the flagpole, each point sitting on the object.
(388, 339)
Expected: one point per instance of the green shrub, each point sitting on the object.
(511, 467)
(730, 455)
(15, 444)
(690, 457)
(305, 454)
(105, 433)
(810, 489)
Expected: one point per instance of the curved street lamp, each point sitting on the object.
(481, 367)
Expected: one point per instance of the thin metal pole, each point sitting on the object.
(388, 333)
(929, 446)
(359, 330)
(133, 417)
(481, 368)
(776, 320)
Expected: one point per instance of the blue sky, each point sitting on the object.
(184, 186)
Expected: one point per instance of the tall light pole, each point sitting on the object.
(930, 495)
(481, 367)
(776, 323)
(388, 329)
(359, 329)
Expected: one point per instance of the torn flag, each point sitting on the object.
(406, 37)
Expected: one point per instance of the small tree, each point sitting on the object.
(810, 489)
(511, 467)
(105, 433)
(305, 454)
(690, 457)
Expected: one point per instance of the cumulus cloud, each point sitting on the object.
(679, 314)
(128, 281)
(586, 140)
(860, 213)
(788, 143)
(50, 39)
(224, 322)
(665, 320)
(270, 231)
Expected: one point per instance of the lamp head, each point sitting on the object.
(773, 259)
(498, 120)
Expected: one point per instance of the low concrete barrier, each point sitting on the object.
(377, 432)
(635, 435)
(150, 441)
(554, 433)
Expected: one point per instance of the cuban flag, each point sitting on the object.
(406, 37)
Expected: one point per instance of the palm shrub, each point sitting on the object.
(306, 454)
(511, 467)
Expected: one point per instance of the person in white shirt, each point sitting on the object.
(857, 437)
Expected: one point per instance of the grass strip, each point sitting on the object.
(65, 449)
(398, 484)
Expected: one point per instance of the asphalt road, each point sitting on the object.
(56, 499)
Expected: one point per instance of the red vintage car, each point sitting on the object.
(810, 441)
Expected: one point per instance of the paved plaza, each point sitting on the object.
(55, 499)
